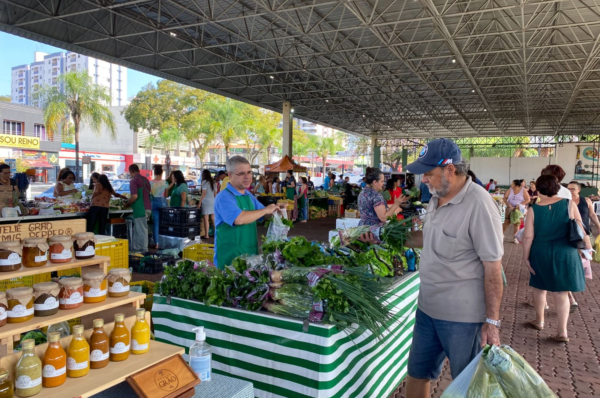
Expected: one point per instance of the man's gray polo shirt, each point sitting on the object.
(457, 238)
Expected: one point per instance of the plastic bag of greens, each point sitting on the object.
(277, 231)
(484, 385)
(460, 386)
(514, 374)
(515, 216)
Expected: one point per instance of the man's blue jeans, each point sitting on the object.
(157, 204)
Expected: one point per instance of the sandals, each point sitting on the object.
(537, 326)
(530, 303)
(560, 339)
(574, 307)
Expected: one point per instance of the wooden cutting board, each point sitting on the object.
(171, 378)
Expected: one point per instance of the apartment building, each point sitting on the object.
(46, 68)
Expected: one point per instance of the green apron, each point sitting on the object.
(176, 198)
(290, 193)
(139, 210)
(237, 240)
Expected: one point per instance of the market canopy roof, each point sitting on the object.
(396, 68)
(284, 165)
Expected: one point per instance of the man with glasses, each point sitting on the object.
(236, 213)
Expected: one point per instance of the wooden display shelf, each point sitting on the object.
(99, 380)
(100, 262)
(15, 329)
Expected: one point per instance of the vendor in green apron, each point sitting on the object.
(290, 188)
(236, 213)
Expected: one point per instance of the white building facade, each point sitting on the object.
(27, 79)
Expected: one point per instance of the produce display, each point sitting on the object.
(341, 286)
(317, 212)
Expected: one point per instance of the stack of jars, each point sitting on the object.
(36, 252)
(33, 373)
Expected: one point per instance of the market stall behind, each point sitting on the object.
(283, 166)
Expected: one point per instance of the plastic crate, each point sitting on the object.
(25, 281)
(150, 263)
(117, 251)
(199, 252)
(148, 288)
(179, 216)
(179, 231)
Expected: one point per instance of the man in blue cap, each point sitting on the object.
(461, 272)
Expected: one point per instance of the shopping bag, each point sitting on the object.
(484, 385)
(460, 386)
(587, 268)
(597, 248)
(277, 229)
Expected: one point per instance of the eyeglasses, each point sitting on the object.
(248, 173)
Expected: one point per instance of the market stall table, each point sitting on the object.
(286, 357)
(219, 387)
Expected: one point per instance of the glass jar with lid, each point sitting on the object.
(71, 293)
(61, 249)
(35, 252)
(20, 304)
(85, 245)
(10, 255)
(45, 296)
(118, 282)
(3, 311)
(94, 287)
(6, 386)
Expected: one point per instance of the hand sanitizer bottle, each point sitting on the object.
(201, 355)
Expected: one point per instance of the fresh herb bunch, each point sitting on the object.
(285, 221)
(298, 251)
(395, 233)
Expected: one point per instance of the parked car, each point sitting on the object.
(123, 187)
(49, 193)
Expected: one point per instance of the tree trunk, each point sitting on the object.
(76, 123)
(226, 152)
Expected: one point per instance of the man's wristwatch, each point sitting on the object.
(491, 321)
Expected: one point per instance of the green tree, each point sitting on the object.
(328, 146)
(228, 120)
(82, 102)
(4, 98)
(197, 126)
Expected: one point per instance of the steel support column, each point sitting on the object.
(288, 128)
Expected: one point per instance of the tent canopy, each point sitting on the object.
(284, 165)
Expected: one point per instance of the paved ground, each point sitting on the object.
(572, 369)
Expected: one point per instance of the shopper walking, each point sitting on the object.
(159, 201)
(276, 186)
(554, 264)
(139, 200)
(516, 199)
(179, 190)
(207, 201)
(303, 200)
(558, 172)
(98, 213)
(460, 269)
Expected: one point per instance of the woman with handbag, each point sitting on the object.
(553, 232)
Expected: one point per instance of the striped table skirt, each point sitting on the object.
(284, 357)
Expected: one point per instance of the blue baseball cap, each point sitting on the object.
(437, 153)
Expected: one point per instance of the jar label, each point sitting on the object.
(72, 364)
(138, 347)
(50, 371)
(13, 259)
(24, 382)
(3, 313)
(65, 255)
(20, 310)
(40, 259)
(119, 348)
(94, 292)
(50, 304)
(89, 251)
(74, 298)
(98, 355)
(118, 287)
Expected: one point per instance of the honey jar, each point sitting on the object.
(94, 287)
(20, 304)
(118, 282)
(35, 252)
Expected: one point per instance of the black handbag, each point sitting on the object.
(575, 234)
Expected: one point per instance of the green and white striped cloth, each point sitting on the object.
(283, 360)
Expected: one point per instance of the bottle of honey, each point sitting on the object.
(54, 364)
(78, 354)
(119, 340)
(99, 346)
(140, 334)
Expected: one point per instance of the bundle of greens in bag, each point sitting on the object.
(498, 372)
(277, 231)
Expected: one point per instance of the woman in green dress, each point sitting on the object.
(554, 265)
(179, 189)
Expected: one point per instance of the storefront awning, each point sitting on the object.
(38, 164)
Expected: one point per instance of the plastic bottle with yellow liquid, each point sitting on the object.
(78, 354)
(140, 334)
(119, 340)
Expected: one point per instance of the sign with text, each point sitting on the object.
(19, 141)
(171, 378)
(40, 229)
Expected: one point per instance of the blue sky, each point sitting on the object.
(18, 51)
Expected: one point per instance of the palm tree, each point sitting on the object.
(78, 100)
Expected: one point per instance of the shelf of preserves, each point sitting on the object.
(100, 262)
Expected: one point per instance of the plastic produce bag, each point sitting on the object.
(460, 386)
(277, 229)
(484, 385)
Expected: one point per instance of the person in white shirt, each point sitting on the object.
(559, 173)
